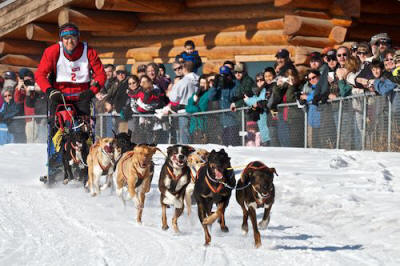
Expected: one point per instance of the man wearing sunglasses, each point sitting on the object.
(379, 44)
(70, 69)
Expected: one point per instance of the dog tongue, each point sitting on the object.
(218, 174)
(108, 149)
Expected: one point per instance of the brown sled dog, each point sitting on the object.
(100, 161)
(134, 173)
(255, 189)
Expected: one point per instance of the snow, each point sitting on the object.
(331, 208)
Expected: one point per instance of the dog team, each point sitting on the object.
(187, 173)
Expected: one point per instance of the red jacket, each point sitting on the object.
(20, 97)
(152, 100)
(48, 66)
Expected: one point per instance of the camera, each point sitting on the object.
(284, 79)
(29, 82)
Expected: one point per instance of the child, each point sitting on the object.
(190, 54)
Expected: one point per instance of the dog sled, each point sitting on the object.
(64, 156)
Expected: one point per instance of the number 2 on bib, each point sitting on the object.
(73, 76)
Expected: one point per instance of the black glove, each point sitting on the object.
(316, 99)
(54, 96)
(86, 96)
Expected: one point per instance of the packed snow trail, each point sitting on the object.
(331, 208)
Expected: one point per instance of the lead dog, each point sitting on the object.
(134, 172)
(174, 177)
(196, 160)
(214, 185)
(100, 162)
(255, 189)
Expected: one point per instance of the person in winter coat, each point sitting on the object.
(224, 92)
(260, 94)
(70, 69)
(9, 109)
(190, 54)
(198, 102)
(244, 85)
(130, 107)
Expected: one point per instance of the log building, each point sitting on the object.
(132, 32)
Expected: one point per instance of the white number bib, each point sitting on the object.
(73, 71)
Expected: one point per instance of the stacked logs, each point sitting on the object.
(133, 32)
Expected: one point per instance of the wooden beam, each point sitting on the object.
(388, 7)
(20, 60)
(337, 34)
(4, 68)
(27, 12)
(213, 3)
(154, 6)
(219, 52)
(311, 4)
(91, 20)
(48, 32)
(380, 19)
(196, 27)
(350, 8)
(118, 61)
(262, 37)
(302, 54)
(42, 32)
(21, 47)
(320, 42)
(18, 34)
(218, 13)
(312, 14)
(296, 25)
(364, 32)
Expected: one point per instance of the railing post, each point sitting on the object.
(170, 129)
(305, 126)
(339, 126)
(33, 129)
(364, 129)
(243, 129)
(389, 140)
(101, 125)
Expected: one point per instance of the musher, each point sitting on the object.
(70, 72)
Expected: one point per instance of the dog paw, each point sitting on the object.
(258, 245)
(94, 194)
(65, 181)
(245, 229)
(262, 225)
(225, 229)
(104, 187)
(165, 227)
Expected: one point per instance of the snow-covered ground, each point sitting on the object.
(331, 208)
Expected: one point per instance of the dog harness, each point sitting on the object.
(140, 176)
(210, 186)
(174, 177)
(264, 199)
(70, 152)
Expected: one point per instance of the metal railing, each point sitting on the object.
(357, 122)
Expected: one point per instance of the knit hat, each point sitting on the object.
(120, 68)
(282, 53)
(69, 29)
(397, 55)
(239, 67)
(225, 70)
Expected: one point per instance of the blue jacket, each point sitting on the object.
(7, 112)
(225, 97)
(262, 122)
(384, 86)
(314, 116)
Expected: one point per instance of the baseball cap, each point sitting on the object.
(380, 37)
(331, 54)
(10, 75)
(282, 53)
(225, 70)
(315, 56)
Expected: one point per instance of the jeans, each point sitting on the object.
(184, 135)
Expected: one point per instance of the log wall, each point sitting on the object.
(133, 32)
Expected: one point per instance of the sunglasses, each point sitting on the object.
(120, 72)
(340, 55)
(258, 80)
(389, 59)
(238, 72)
(178, 68)
(329, 59)
(382, 43)
(362, 53)
(8, 96)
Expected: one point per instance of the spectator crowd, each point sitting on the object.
(142, 102)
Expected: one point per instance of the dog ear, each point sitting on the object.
(273, 171)
(169, 150)
(190, 149)
(246, 175)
